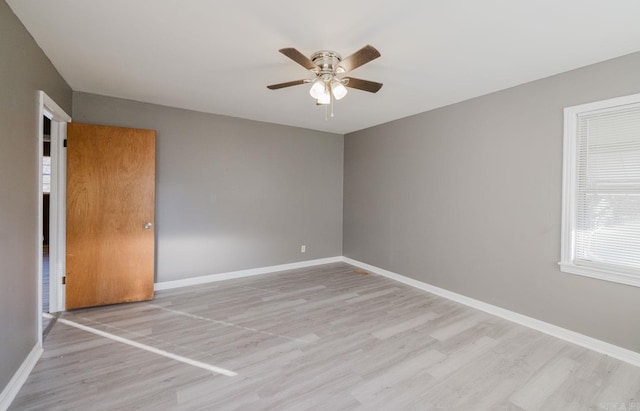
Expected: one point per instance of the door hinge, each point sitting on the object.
(64, 143)
(64, 280)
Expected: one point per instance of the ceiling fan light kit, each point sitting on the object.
(338, 89)
(328, 67)
(318, 89)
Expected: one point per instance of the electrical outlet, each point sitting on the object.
(303, 248)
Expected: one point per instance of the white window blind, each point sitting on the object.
(604, 232)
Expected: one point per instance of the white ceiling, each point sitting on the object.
(218, 56)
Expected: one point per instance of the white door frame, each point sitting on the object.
(57, 223)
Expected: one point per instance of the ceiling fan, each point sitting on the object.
(328, 67)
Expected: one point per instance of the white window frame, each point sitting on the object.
(569, 186)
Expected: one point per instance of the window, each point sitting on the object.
(601, 190)
(46, 174)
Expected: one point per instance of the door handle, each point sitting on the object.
(148, 226)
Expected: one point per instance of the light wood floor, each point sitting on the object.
(325, 338)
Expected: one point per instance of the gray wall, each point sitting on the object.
(24, 69)
(468, 198)
(233, 194)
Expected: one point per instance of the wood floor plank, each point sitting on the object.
(319, 338)
(404, 326)
(542, 385)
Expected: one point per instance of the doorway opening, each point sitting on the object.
(52, 131)
(46, 191)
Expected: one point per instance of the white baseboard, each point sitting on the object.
(18, 379)
(582, 340)
(166, 285)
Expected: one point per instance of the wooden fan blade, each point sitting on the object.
(360, 57)
(287, 84)
(365, 85)
(299, 58)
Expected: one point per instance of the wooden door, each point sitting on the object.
(110, 215)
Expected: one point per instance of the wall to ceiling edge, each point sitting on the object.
(468, 198)
(24, 69)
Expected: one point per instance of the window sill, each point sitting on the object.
(616, 277)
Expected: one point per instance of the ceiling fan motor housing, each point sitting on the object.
(327, 62)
